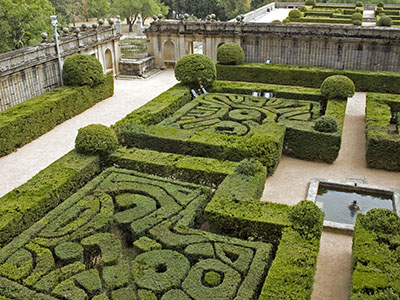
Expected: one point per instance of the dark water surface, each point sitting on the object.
(335, 203)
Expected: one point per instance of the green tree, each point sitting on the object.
(128, 9)
(22, 22)
(149, 8)
(232, 8)
(98, 8)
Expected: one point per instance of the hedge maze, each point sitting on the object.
(237, 114)
(129, 235)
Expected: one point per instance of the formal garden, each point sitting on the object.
(312, 12)
(165, 204)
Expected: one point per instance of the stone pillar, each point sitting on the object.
(118, 25)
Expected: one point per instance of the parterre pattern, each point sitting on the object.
(236, 114)
(129, 235)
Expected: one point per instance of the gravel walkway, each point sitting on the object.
(21, 165)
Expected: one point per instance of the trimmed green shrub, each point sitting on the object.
(302, 8)
(384, 21)
(310, 2)
(230, 54)
(381, 4)
(359, 4)
(337, 87)
(357, 22)
(26, 204)
(192, 169)
(24, 122)
(195, 69)
(381, 221)
(145, 244)
(369, 81)
(356, 17)
(379, 10)
(295, 14)
(82, 69)
(69, 252)
(307, 219)
(96, 139)
(375, 256)
(276, 21)
(325, 124)
(381, 146)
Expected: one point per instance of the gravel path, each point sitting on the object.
(21, 165)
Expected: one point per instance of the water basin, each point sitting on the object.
(343, 201)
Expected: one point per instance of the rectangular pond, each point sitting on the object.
(342, 202)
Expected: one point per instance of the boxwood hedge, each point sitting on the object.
(382, 145)
(369, 81)
(24, 122)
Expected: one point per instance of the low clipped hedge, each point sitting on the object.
(25, 122)
(264, 143)
(322, 20)
(26, 204)
(303, 141)
(280, 91)
(381, 82)
(375, 256)
(382, 148)
(192, 169)
(235, 209)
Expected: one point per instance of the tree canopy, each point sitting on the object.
(22, 22)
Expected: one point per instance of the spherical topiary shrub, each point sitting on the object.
(325, 124)
(302, 8)
(384, 21)
(357, 16)
(230, 54)
(337, 87)
(356, 22)
(381, 4)
(195, 69)
(359, 4)
(310, 2)
(96, 139)
(276, 21)
(382, 221)
(307, 219)
(295, 14)
(82, 69)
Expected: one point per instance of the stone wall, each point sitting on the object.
(31, 71)
(340, 47)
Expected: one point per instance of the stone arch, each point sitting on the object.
(168, 53)
(108, 62)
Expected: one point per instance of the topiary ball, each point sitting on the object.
(96, 139)
(337, 87)
(302, 8)
(230, 54)
(195, 69)
(384, 21)
(310, 2)
(276, 21)
(82, 69)
(307, 219)
(325, 124)
(295, 14)
(356, 17)
(382, 220)
(359, 4)
(381, 4)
